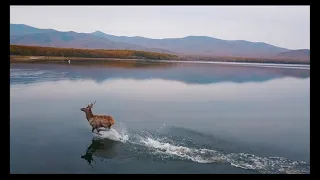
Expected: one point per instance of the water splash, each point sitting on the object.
(168, 148)
(116, 135)
(265, 165)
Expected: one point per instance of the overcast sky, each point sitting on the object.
(284, 26)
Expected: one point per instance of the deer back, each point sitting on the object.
(103, 119)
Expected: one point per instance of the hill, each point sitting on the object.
(201, 45)
(190, 45)
(19, 29)
(31, 36)
(296, 54)
(69, 40)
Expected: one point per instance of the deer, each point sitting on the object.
(97, 121)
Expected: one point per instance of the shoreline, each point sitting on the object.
(48, 59)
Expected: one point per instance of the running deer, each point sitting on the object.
(97, 121)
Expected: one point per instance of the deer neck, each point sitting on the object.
(89, 115)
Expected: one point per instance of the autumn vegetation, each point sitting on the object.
(246, 59)
(29, 53)
(87, 53)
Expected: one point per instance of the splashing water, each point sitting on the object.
(196, 155)
(170, 149)
(113, 134)
(265, 165)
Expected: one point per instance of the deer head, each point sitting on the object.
(88, 108)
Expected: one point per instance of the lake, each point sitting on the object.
(170, 118)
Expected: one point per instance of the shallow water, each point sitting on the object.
(170, 118)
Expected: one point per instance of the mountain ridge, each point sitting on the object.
(22, 34)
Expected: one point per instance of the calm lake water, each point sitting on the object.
(170, 118)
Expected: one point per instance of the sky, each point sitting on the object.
(283, 26)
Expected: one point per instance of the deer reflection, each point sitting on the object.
(103, 148)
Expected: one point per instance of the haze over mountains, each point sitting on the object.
(21, 34)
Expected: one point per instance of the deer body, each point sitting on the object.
(97, 121)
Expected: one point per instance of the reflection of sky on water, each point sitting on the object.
(159, 90)
(270, 106)
(275, 112)
(194, 73)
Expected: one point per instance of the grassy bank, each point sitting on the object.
(245, 59)
(45, 53)
(17, 58)
(35, 53)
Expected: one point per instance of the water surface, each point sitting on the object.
(170, 118)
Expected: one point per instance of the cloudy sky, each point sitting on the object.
(284, 26)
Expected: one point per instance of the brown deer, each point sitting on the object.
(97, 121)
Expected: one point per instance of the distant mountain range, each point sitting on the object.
(21, 34)
(295, 53)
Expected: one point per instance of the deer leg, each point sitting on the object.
(99, 129)
(98, 132)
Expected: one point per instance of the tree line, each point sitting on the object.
(88, 53)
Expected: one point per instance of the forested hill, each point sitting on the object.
(88, 53)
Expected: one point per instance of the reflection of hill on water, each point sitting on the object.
(106, 63)
(129, 64)
(103, 148)
(187, 73)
